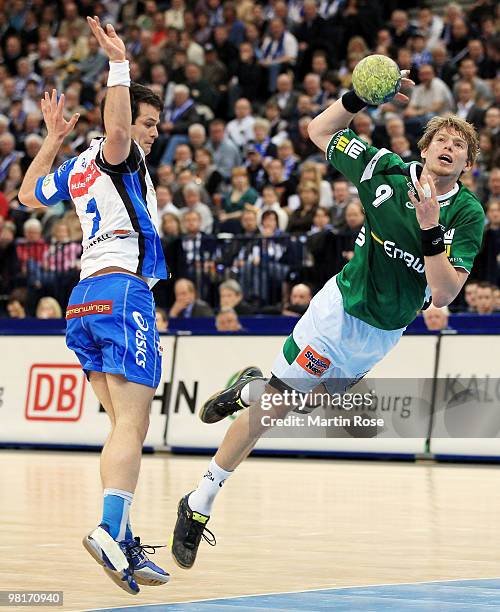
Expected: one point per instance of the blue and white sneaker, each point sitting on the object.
(145, 571)
(109, 553)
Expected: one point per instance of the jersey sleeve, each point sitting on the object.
(356, 159)
(54, 187)
(463, 241)
(129, 165)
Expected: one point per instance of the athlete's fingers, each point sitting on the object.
(405, 74)
(44, 103)
(96, 29)
(72, 121)
(413, 199)
(433, 187)
(60, 104)
(110, 31)
(420, 191)
(401, 97)
(427, 190)
(53, 101)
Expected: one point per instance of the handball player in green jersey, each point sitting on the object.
(422, 231)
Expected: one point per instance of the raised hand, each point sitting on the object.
(52, 110)
(108, 40)
(427, 206)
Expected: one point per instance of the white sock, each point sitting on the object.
(202, 499)
(252, 391)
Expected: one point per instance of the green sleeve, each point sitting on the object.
(356, 159)
(463, 240)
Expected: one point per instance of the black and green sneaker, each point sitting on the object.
(228, 400)
(188, 531)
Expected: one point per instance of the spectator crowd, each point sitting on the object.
(252, 218)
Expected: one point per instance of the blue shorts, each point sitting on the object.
(111, 326)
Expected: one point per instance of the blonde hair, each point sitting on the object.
(310, 166)
(465, 129)
(52, 303)
(239, 171)
(308, 185)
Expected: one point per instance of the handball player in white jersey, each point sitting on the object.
(111, 313)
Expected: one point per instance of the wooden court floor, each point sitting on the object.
(281, 525)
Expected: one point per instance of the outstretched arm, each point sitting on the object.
(339, 115)
(57, 130)
(117, 112)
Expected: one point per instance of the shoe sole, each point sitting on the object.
(205, 409)
(139, 579)
(177, 562)
(171, 543)
(115, 576)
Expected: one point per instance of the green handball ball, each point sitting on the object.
(376, 79)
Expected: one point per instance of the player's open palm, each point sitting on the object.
(108, 40)
(52, 110)
(426, 206)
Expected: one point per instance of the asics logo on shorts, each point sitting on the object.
(89, 308)
(312, 362)
(140, 339)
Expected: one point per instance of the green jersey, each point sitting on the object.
(384, 284)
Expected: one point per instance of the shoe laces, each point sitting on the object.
(137, 550)
(197, 531)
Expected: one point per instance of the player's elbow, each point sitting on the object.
(442, 298)
(28, 199)
(439, 301)
(313, 131)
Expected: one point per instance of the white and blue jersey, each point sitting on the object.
(117, 209)
(110, 318)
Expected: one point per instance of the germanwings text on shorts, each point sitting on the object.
(89, 308)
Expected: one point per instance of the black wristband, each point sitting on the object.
(432, 241)
(352, 102)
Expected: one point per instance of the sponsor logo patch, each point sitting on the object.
(140, 339)
(448, 240)
(312, 362)
(89, 308)
(394, 252)
(81, 182)
(351, 147)
(49, 188)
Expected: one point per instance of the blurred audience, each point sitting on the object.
(240, 83)
(226, 320)
(436, 319)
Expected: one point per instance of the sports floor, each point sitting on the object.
(293, 534)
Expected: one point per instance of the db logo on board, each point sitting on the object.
(55, 392)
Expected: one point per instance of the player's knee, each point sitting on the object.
(136, 420)
(275, 402)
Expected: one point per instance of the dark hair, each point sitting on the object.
(270, 213)
(138, 95)
(485, 285)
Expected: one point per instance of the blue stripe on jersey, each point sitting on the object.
(153, 265)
